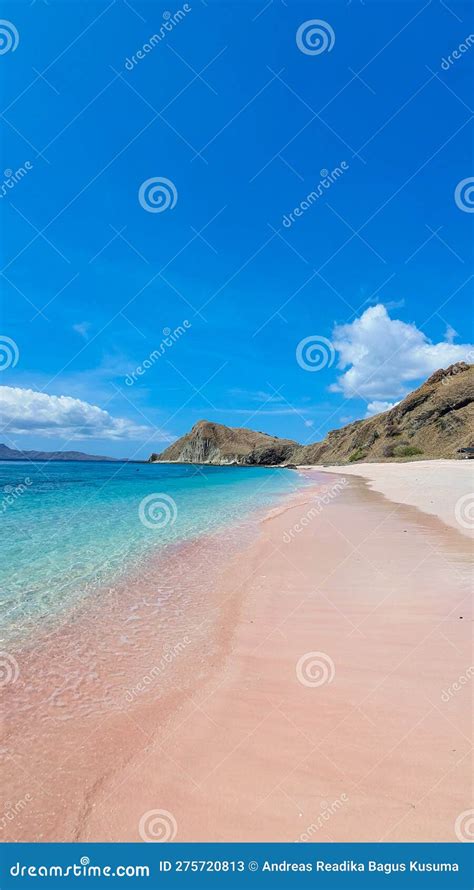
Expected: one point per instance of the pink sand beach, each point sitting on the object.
(319, 689)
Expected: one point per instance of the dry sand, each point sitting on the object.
(443, 488)
(334, 705)
(365, 741)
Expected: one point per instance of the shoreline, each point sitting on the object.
(72, 679)
(253, 740)
(256, 753)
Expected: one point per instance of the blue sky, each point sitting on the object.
(230, 110)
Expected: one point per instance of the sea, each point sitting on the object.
(73, 529)
(121, 586)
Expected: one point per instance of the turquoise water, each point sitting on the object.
(69, 529)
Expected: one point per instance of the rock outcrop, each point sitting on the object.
(214, 443)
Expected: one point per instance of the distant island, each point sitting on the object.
(7, 453)
(434, 421)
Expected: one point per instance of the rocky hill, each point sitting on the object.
(214, 443)
(433, 421)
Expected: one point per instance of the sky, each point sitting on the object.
(260, 216)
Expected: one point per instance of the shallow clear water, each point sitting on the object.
(68, 529)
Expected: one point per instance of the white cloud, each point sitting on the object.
(389, 304)
(450, 334)
(382, 357)
(28, 411)
(377, 407)
(82, 328)
(258, 412)
(259, 395)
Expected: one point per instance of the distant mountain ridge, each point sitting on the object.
(434, 421)
(7, 453)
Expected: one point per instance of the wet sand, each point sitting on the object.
(326, 699)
